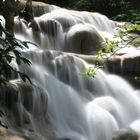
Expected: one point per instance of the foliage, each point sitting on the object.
(9, 51)
(124, 10)
(129, 16)
(129, 35)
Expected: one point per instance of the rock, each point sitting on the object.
(6, 135)
(34, 26)
(63, 139)
(39, 8)
(126, 65)
(83, 39)
(125, 134)
(51, 27)
(25, 108)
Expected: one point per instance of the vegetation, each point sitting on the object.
(129, 35)
(124, 10)
(9, 51)
(10, 46)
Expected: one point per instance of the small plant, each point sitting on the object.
(129, 35)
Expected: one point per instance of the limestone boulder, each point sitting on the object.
(24, 108)
(5, 134)
(126, 65)
(83, 39)
(125, 134)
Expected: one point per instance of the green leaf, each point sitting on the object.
(18, 60)
(9, 58)
(25, 60)
(100, 52)
(8, 49)
(25, 44)
(24, 77)
(88, 70)
(17, 53)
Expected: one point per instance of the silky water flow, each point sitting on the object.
(75, 107)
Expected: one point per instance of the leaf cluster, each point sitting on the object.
(10, 51)
(129, 35)
(131, 15)
(123, 10)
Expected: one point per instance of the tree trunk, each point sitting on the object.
(8, 8)
(27, 13)
(8, 12)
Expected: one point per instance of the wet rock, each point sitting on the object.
(6, 135)
(34, 26)
(24, 106)
(51, 27)
(39, 8)
(83, 39)
(126, 65)
(125, 134)
(63, 139)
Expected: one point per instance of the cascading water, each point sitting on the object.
(79, 108)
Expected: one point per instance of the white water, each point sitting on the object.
(78, 108)
(81, 108)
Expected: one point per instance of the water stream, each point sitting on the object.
(78, 108)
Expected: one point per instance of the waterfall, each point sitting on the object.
(80, 108)
(71, 106)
